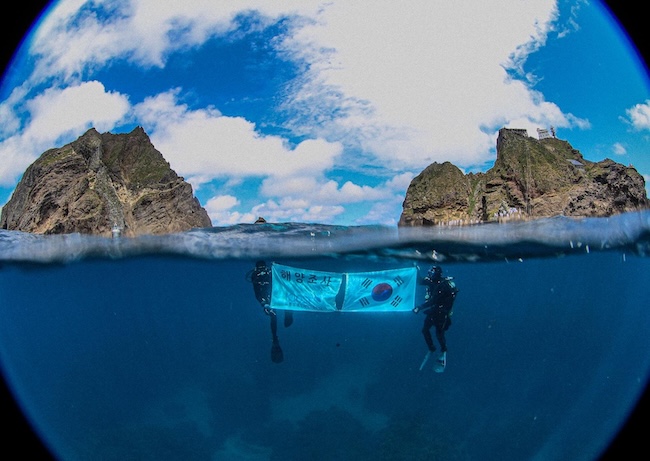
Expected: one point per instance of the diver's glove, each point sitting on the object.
(416, 309)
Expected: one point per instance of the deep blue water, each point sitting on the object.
(157, 348)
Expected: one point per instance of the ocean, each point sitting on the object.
(155, 348)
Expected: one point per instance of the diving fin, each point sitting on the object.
(288, 318)
(441, 363)
(276, 352)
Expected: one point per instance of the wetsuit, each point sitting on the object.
(261, 279)
(439, 301)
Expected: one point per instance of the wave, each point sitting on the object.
(548, 237)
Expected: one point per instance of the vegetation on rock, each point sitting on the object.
(530, 179)
(100, 182)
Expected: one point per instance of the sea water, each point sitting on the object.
(155, 348)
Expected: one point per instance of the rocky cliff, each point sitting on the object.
(530, 179)
(100, 181)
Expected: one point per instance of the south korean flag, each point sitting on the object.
(380, 291)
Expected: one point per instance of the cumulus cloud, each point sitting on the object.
(410, 85)
(55, 115)
(400, 182)
(310, 199)
(221, 203)
(291, 209)
(144, 32)
(419, 84)
(382, 212)
(220, 210)
(203, 144)
(319, 190)
(306, 198)
(639, 116)
(57, 112)
(17, 153)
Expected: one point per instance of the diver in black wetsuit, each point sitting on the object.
(438, 303)
(261, 279)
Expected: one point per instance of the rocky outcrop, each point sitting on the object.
(530, 179)
(102, 181)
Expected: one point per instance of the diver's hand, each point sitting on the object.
(416, 310)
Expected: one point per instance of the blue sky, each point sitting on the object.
(323, 111)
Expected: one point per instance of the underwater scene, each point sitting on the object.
(156, 348)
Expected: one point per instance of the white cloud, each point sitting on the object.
(17, 153)
(145, 32)
(202, 144)
(221, 203)
(400, 182)
(639, 116)
(219, 209)
(292, 210)
(320, 191)
(306, 198)
(383, 212)
(386, 211)
(59, 115)
(57, 112)
(411, 84)
(619, 149)
(418, 84)
(10, 120)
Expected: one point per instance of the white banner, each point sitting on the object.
(304, 289)
(383, 291)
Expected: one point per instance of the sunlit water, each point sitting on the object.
(155, 348)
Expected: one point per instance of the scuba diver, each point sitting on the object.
(438, 303)
(261, 279)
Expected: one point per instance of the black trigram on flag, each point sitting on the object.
(398, 280)
(366, 283)
(396, 301)
(364, 302)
